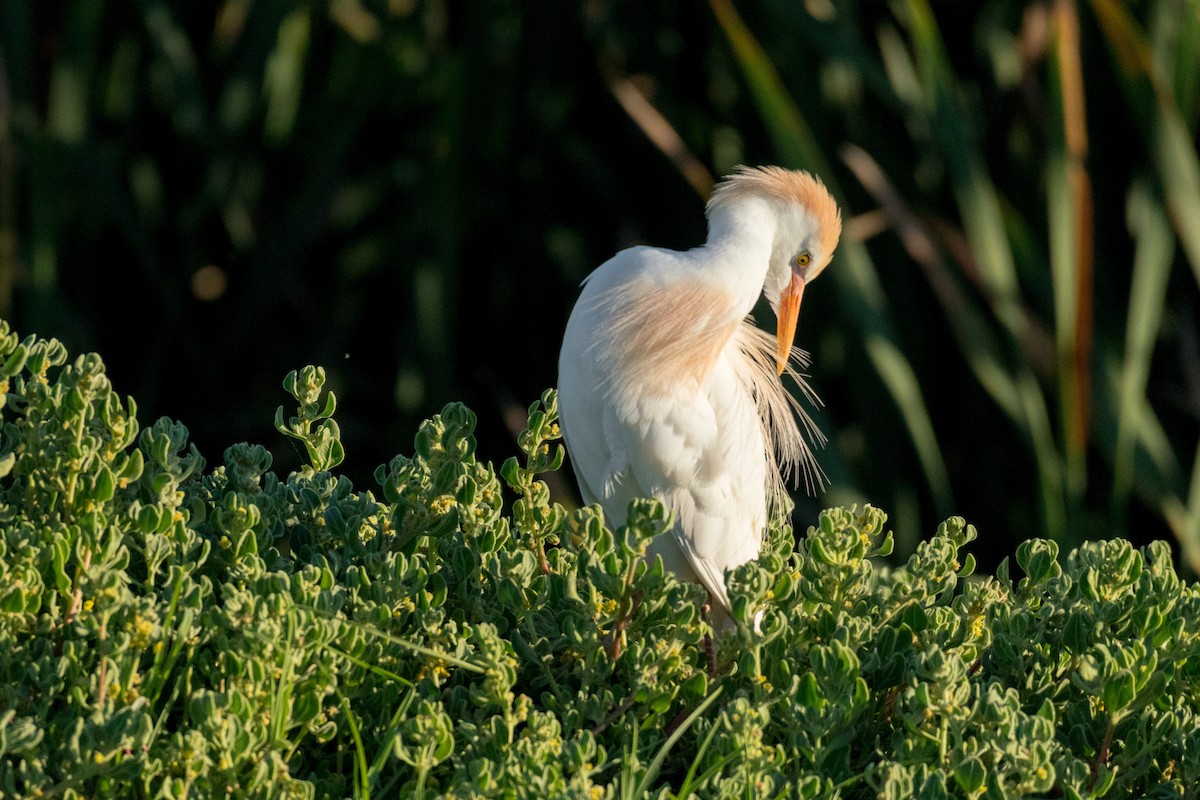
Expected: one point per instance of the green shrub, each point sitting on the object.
(167, 630)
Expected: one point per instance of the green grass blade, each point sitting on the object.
(686, 788)
(1015, 390)
(983, 223)
(1155, 472)
(1178, 168)
(1063, 269)
(652, 770)
(1069, 202)
(16, 80)
(1174, 33)
(898, 375)
(968, 322)
(1158, 112)
(416, 648)
(71, 80)
(838, 40)
(284, 76)
(174, 50)
(1174, 41)
(281, 697)
(1184, 518)
(978, 201)
(1154, 252)
(385, 750)
(373, 668)
(789, 131)
(1190, 538)
(975, 193)
(1050, 470)
(362, 786)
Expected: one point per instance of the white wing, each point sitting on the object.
(701, 452)
(657, 406)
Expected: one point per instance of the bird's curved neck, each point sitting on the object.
(740, 242)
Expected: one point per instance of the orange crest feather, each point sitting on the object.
(787, 186)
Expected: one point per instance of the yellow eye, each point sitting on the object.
(803, 260)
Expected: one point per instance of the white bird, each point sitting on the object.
(667, 389)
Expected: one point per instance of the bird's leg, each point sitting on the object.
(710, 652)
(616, 639)
(710, 660)
(615, 714)
(618, 631)
(674, 724)
(614, 644)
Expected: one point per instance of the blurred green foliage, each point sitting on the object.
(172, 630)
(409, 191)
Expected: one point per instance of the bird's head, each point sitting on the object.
(807, 226)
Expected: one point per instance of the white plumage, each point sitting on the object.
(666, 389)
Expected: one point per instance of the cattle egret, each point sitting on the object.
(668, 390)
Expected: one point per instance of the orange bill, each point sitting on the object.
(789, 312)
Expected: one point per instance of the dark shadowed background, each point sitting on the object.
(408, 193)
